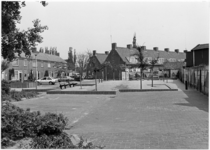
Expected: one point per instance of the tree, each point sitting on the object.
(13, 40)
(46, 74)
(142, 62)
(4, 65)
(59, 68)
(82, 60)
(153, 62)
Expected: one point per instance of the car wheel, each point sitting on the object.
(50, 83)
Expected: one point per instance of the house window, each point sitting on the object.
(25, 62)
(34, 63)
(48, 65)
(16, 75)
(15, 62)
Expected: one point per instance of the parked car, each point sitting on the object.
(89, 77)
(76, 77)
(66, 78)
(47, 80)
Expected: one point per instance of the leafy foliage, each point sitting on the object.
(5, 87)
(46, 130)
(13, 40)
(4, 65)
(18, 123)
(17, 96)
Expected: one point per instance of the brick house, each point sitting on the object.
(96, 61)
(120, 56)
(24, 66)
(196, 72)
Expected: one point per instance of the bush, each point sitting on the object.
(16, 95)
(45, 131)
(18, 123)
(61, 141)
(5, 87)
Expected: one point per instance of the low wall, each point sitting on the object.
(23, 85)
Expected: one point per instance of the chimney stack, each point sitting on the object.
(114, 45)
(143, 47)
(155, 48)
(34, 49)
(70, 49)
(129, 46)
(58, 54)
(166, 49)
(94, 52)
(106, 52)
(177, 50)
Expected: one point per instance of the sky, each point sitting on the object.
(95, 25)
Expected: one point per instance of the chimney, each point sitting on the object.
(94, 52)
(129, 46)
(166, 49)
(143, 47)
(58, 54)
(185, 51)
(106, 52)
(155, 48)
(34, 49)
(114, 45)
(70, 48)
(176, 50)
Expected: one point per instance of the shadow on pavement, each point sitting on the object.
(196, 99)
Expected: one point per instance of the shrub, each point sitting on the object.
(61, 141)
(5, 87)
(16, 95)
(18, 123)
(45, 131)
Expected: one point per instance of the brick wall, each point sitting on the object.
(116, 61)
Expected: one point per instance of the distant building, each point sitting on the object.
(96, 62)
(22, 67)
(120, 56)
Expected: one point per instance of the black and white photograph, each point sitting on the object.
(106, 74)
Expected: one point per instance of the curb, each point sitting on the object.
(38, 90)
(146, 90)
(83, 92)
(85, 84)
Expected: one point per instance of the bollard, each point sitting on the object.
(186, 85)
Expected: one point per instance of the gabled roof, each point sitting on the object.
(101, 57)
(201, 46)
(126, 53)
(173, 65)
(44, 57)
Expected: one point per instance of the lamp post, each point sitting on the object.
(36, 53)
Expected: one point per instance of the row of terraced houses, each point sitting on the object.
(23, 66)
(124, 56)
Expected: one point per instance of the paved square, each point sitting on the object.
(137, 120)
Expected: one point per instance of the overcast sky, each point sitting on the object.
(90, 25)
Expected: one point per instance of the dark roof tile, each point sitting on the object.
(101, 57)
(201, 46)
(125, 53)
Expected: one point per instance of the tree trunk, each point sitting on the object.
(141, 80)
(152, 77)
(95, 82)
(80, 81)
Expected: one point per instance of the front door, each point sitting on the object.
(20, 76)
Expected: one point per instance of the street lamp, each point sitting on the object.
(36, 53)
